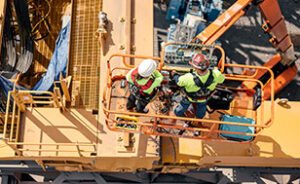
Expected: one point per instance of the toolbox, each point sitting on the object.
(237, 128)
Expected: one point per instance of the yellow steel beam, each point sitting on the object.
(274, 147)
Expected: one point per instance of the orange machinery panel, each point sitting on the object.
(281, 79)
(222, 23)
(275, 24)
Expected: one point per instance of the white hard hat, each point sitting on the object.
(147, 67)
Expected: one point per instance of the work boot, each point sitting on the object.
(181, 132)
(145, 110)
(197, 133)
(186, 124)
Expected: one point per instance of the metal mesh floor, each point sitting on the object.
(84, 63)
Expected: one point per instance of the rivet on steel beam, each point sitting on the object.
(122, 19)
(122, 47)
(133, 21)
(133, 48)
(120, 139)
(133, 139)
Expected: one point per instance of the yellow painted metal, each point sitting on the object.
(21, 99)
(276, 146)
(6, 150)
(85, 52)
(50, 132)
(282, 138)
(76, 140)
(64, 84)
(118, 42)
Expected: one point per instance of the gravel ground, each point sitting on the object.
(245, 42)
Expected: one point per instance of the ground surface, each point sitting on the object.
(245, 42)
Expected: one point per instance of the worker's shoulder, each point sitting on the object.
(157, 72)
(131, 70)
(216, 72)
(187, 75)
(128, 75)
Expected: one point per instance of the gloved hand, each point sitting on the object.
(172, 74)
(173, 78)
(210, 94)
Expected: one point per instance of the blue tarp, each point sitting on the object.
(57, 65)
(6, 85)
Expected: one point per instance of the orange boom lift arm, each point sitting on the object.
(283, 63)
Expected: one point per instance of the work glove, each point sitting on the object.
(172, 74)
(210, 93)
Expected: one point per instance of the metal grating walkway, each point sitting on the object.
(84, 64)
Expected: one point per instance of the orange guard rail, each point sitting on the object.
(160, 124)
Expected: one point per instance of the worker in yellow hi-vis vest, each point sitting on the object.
(198, 85)
(143, 82)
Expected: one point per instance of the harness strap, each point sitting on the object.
(141, 88)
(201, 94)
(203, 86)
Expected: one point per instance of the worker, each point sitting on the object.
(143, 82)
(198, 85)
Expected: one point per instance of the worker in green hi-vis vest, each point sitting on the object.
(198, 85)
(143, 82)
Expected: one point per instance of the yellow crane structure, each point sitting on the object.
(81, 132)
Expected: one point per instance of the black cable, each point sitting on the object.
(14, 66)
(46, 34)
(8, 44)
(26, 52)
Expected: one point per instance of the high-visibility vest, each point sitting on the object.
(141, 88)
(202, 93)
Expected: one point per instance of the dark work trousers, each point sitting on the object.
(184, 105)
(140, 105)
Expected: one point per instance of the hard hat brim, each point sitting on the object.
(204, 67)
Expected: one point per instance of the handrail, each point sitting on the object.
(150, 127)
(185, 118)
(130, 56)
(76, 145)
(24, 98)
(123, 56)
(221, 62)
(271, 81)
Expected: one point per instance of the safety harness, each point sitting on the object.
(203, 92)
(135, 89)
